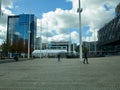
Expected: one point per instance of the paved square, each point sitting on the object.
(69, 74)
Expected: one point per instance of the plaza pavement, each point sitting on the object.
(69, 74)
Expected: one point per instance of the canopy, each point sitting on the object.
(37, 53)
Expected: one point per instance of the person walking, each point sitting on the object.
(15, 57)
(58, 57)
(85, 56)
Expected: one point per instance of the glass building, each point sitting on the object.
(18, 29)
(117, 9)
(109, 37)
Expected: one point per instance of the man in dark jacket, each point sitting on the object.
(85, 52)
(15, 57)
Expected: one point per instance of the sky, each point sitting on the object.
(58, 19)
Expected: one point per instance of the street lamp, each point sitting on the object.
(29, 39)
(94, 42)
(79, 10)
(41, 40)
(69, 42)
(28, 44)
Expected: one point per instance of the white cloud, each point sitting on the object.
(94, 15)
(74, 37)
(3, 18)
(2, 34)
(55, 24)
(58, 23)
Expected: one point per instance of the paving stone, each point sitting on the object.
(69, 74)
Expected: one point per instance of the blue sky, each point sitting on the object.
(59, 17)
(39, 6)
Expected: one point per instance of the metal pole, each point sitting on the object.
(0, 7)
(29, 39)
(80, 31)
(94, 42)
(69, 42)
(89, 43)
(41, 41)
(47, 42)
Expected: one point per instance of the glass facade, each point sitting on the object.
(109, 37)
(117, 9)
(17, 31)
(110, 33)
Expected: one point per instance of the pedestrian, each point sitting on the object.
(15, 57)
(59, 56)
(85, 55)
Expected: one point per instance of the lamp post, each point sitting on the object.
(29, 38)
(80, 31)
(41, 40)
(69, 42)
(94, 42)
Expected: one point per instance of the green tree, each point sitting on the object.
(6, 47)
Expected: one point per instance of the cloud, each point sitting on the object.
(6, 4)
(2, 34)
(55, 25)
(60, 20)
(95, 14)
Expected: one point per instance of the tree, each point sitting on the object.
(6, 47)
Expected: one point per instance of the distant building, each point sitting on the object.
(53, 48)
(70, 47)
(18, 27)
(93, 48)
(38, 43)
(58, 45)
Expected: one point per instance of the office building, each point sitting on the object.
(19, 27)
(70, 47)
(38, 43)
(109, 37)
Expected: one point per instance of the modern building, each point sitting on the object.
(20, 29)
(70, 47)
(117, 9)
(53, 48)
(93, 48)
(38, 43)
(109, 37)
(58, 45)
